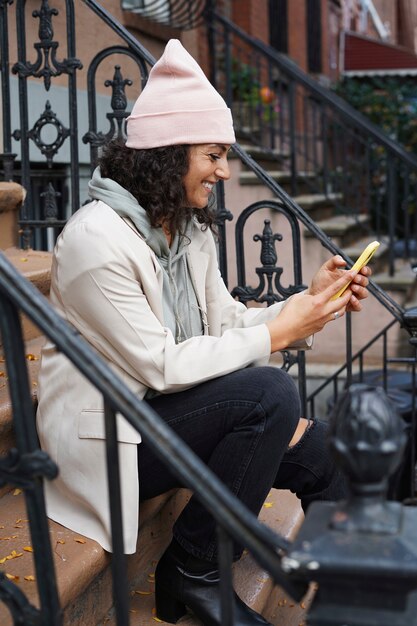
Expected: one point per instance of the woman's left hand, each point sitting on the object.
(331, 271)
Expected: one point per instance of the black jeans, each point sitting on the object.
(240, 426)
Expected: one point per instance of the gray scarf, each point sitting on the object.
(180, 307)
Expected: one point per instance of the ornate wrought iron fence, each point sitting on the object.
(48, 140)
(324, 143)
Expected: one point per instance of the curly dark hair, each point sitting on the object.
(155, 178)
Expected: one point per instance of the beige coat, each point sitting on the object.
(107, 283)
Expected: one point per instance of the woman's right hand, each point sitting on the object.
(303, 314)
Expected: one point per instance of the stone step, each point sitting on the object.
(319, 206)
(282, 177)
(282, 512)
(12, 196)
(346, 229)
(35, 267)
(263, 155)
(82, 566)
(403, 281)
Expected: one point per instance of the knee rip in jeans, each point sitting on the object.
(310, 425)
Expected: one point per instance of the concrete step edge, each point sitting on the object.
(338, 225)
(35, 265)
(262, 154)
(280, 176)
(81, 565)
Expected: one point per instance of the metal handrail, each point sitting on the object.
(348, 112)
(383, 297)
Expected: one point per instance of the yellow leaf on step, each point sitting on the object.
(28, 549)
(12, 577)
(144, 593)
(30, 578)
(16, 492)
(79, 540)
(268, 505)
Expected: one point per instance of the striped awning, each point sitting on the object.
(183, 14)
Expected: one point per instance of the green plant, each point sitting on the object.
(389, 102)
(248, 88)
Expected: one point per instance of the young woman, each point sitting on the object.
(135, 271)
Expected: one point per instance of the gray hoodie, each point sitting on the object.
(181, 311)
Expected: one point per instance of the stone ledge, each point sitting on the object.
(12, 196)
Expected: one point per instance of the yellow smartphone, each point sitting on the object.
(358, 265)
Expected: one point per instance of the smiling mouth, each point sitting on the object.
(208, 186)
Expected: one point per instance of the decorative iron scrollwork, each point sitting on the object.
(289, 359)
(46, 65)
(23, 613)
(21, 469)
(50, 210)
(269, 274)
(119, 113)
(47, 118)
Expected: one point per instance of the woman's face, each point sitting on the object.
(207, 165)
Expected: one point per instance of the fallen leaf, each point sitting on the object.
(144, 593)
(16, 492)
(268, 505)
(2, 374)
(156, 619)
(13, 555)
(28, 549)
(78, 540)
(60, 541)
(12, 577)
(18, 526)
(32, 357)
(30, 578)
(23, 259)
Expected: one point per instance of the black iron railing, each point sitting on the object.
(27, 465)
(54, 136)
(323, 142)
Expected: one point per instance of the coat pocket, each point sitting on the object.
(91, 426)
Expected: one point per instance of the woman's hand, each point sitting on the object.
(305, 314)
(331, 271)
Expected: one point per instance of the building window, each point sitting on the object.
(278, 25)
(314, 36)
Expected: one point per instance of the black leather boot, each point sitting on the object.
(176, 587)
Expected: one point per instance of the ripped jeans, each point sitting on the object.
(240, 425)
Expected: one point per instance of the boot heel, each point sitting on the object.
(168, 607)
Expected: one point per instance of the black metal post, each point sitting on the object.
(362, 552)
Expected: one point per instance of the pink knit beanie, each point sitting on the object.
(178, 105)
